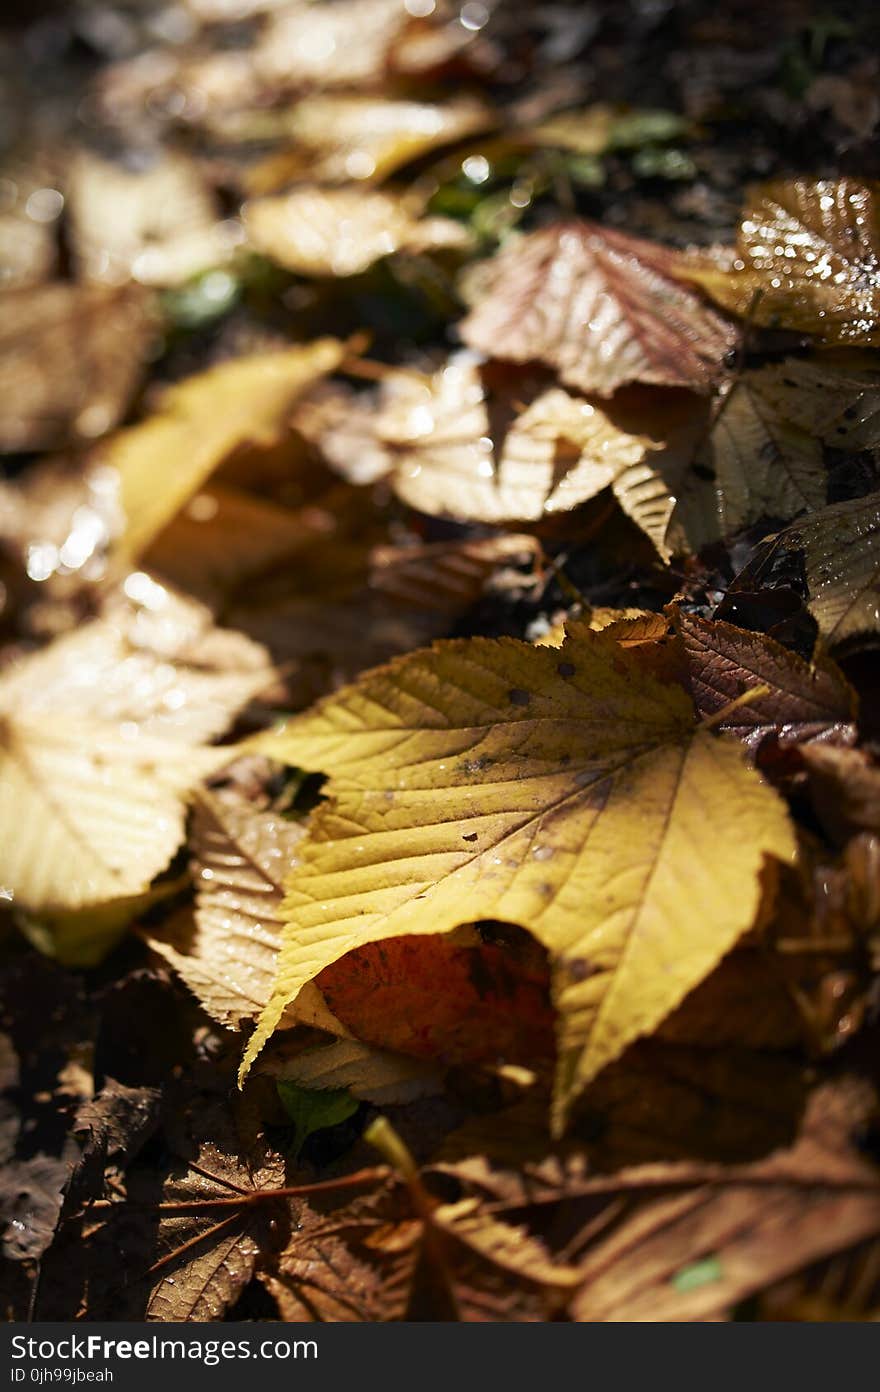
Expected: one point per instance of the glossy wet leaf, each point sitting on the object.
(498, 780)
(806, 259)
(835, 397)
(601, 307)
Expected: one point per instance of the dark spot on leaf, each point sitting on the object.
(566, 669)
(469, 836)
(579, 969)
(517, 697)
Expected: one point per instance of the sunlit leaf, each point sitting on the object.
(601, 307)
(227, 953)
(561, 789)
(806, 259)
(158, 225)
(101, 738)
(339, 232)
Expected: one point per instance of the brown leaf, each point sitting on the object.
(436, 998)
(699, 1249)
(227, 953)
(805, 701)
(71, 356)
(601, 307)
(806, 259)
(398, 1254)
(845, 790)
(354, 605)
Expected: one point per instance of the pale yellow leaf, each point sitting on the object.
(366, 138)
(158, 225)
(371, 1075)
(340, 232)
(561, 789)
(101, 739)
(436, 436)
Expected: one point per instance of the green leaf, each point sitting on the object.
(314, 1109)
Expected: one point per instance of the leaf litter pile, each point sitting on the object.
(440, 611)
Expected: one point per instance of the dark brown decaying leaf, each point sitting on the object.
(71, 357)
(845, 790)
(201, 1282)
(601, 307)
(804, 701)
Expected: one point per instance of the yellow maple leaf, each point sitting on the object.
(558, 788)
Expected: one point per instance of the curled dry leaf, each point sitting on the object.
(601, 307)
(494, 779)
(804, 701)
(158, 225)
(71, 357)
(807, 259)
(227, 953)
(200, 424)
(340, 232)
(838, 549)
(434, 436)
(558, 453)
(101, 738)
